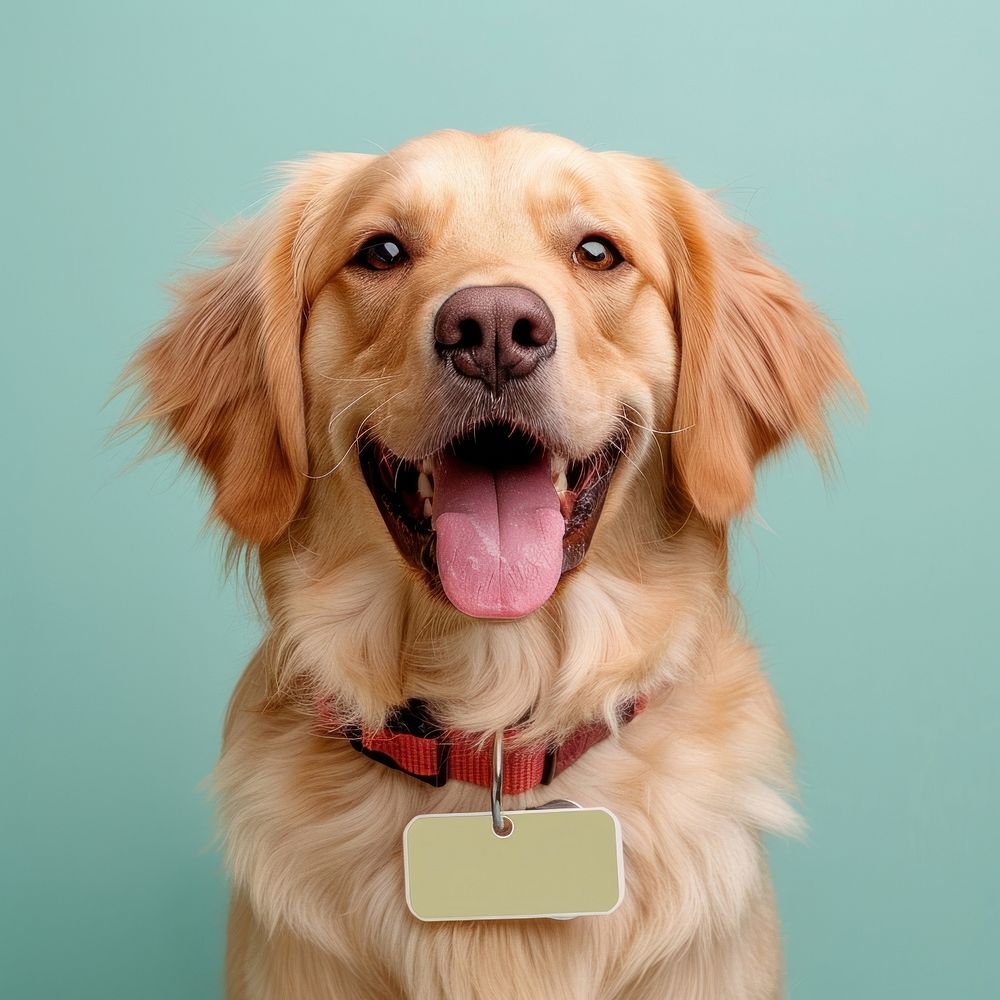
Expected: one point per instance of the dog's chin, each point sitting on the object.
(494, 519)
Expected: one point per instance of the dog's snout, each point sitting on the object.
(495, 332)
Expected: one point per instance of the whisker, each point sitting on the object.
(360, 378)
(295, 558)
(635, 465)
(357, 437)
(673, 534)
(653, 430)
(350, 447)
(344, 409)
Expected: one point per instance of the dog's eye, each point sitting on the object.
(380, 254)
(597, 253)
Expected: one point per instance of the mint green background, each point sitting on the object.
(860, 137)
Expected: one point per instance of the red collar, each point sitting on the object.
(412, 743)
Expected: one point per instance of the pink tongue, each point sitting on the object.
(499, 536)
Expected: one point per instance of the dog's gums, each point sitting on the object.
(494, 518)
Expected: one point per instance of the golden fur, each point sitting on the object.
(266, 373)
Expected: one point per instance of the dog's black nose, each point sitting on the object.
(495, 332)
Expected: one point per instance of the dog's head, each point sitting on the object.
(475, 352)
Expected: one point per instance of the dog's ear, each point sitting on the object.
(759, 365)
(222, 379)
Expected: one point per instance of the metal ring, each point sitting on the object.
(502, 825)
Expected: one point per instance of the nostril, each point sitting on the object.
(494, 332)
(470, 333)
(523, 333)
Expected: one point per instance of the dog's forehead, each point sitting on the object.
(511, 156)
(493, 182)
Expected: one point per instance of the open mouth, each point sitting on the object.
(495, 516)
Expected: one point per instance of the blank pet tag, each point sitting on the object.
(554, 863)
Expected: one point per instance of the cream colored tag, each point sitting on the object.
(554, 863)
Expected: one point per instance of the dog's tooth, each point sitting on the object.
(559, 467)
(427, 465)
(428, 507)
(566, 501)
(424, 486)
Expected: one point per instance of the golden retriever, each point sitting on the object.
(483, 408)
